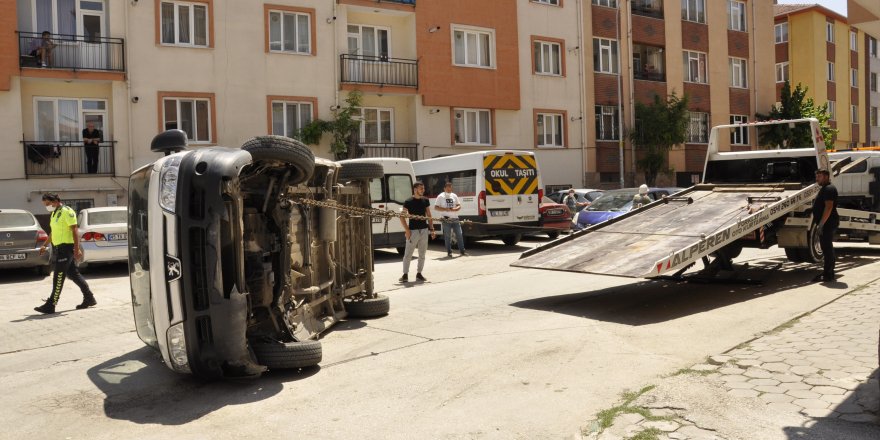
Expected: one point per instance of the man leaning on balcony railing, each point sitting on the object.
(44, 50)
(92, 139)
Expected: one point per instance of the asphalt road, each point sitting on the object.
(482, 350)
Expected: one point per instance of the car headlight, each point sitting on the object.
(177, 348)
(168, 183)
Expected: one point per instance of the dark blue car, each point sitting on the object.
(614, 203)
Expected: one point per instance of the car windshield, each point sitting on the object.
(107, 217)
(613, 201)
(16, 219)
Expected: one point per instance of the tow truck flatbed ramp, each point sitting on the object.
(667, 236)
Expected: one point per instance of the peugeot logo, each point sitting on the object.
(8, 234)
(172, 268)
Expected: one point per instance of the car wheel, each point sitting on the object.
(299, 354)
(44, 270)
(361, 171)
(794, 255)
(401, 250)
(82, 267)
(511, 240)
(368, 307)
(553, 235)
(283, 149)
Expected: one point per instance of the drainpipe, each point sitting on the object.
(583, 90)
(755, 81)
(619, 100)
(128, 104)
(632, 90)
(336, 64)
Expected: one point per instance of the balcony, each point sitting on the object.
(647, 8)
(649, 75)
(51, 158)
(402, 2)
(76, 52)
(384, 71)
(404, 150)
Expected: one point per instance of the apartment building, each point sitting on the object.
(816, 47)
(865, 16)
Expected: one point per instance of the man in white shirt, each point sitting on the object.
(448, 205)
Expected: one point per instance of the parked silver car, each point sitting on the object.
(20, 239)
(103, 235)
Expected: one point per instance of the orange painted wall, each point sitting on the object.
(8, 44)
(443, 84)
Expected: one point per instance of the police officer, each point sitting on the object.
(65, 240)
(826, 220)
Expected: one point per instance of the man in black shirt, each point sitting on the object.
(416, 231)
(825, 221)
(92, 138)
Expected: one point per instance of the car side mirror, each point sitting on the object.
(169, 141)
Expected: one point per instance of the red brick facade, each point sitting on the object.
(740, 102)
(698, 96)
(604, 22)
(738, 44)
(605, 88)
(647, 30)
(694, 36)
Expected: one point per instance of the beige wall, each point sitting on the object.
(10, 138)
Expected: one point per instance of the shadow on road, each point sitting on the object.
(140, 389)
(479, 248)
(857, 417)
(650, 302)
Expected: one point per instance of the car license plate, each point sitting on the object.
(499, 212)
(377, 219)
(10, 257)
(554, 212)
(114, 237)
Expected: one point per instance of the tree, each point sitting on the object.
(661, 124)
(341, 127)
(794, 104)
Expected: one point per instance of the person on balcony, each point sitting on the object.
(44, 50)
(92, 139)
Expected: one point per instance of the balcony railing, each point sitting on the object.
(640, 7)
(649, 75)
(403, 2)
(365, 69)
(77, 52)
(50, 158)
(404, 150)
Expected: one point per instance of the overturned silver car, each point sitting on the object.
(239, 259)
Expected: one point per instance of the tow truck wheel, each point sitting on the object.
(286, 150)
(368, 307)
(553, 235)
(299, 354)
(511, 240)
(361, 171)
(794, 255)
(813, 252)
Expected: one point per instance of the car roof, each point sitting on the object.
(105, 208)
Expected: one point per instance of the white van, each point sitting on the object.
(858, 186)
(389, 193)
(500, 190)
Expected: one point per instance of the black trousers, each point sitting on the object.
(92, 153)
(65, 267)
(827, 245)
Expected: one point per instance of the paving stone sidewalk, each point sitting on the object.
(815, 377)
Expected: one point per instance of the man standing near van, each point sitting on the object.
(826, 220)
(416, 230)
(448, 205)
(65, 240)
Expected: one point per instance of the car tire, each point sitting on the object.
(401, 250)
(553, 235)
(283, 149)
(361, 171)
(283, 355)
(44, 270)
(511, 240)
(794, 255)
(813, 252)
(368, 307)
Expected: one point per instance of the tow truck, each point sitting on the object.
(755, 199)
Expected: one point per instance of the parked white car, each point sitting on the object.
(103, 235)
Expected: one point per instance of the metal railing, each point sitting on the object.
(78, 52)
(396, 149)
(648, 9)
(649, 75)
(403, 2)
(379, 70)
(71, 158)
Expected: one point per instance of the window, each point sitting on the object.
(781, 31)
(464, 182)
(377, 126)
(695, 67)
(607, 123)
(368, 41)
(606, 3)
(648, 62)
(854, 77)
(698, 128)
(872, 47)
(736, 15)
(874, 116)
(473, 47)
(184, 24)
(290, 32)
(873, 82)
(740, 135)
(832, 110)
(548, 58)
(830, 73)
(853, 41)
(739, 73)
(289, 117)
(192, 115)
(693, 10)
(62, 119)
(829, 32)
(782, 72)
(547, 2)
(604, 55)
(473, 127)
(854, 114)
(549, 130)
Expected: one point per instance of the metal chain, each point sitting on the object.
(388, 214)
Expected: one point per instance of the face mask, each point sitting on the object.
(50, 208)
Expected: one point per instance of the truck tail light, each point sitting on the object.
(481, 204)
(540, 195)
